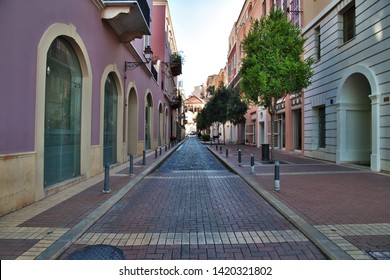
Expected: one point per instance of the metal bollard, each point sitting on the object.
(144, 157)
(106, 188)
(277, 177)
(166, 148)
(155, 154)
(227, 152)
(216, 147)
(252, 164)
(220, 150)
(239, 157)
(131, 170)
(160, 151)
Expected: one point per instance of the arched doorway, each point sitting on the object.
(161, 125)
(62, 130)
(148, 122)
(355, 120)
(132, 123)
(110, 121)
(166, 125)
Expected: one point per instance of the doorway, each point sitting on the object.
(354, 117)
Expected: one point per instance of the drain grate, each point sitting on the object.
(380, 255)
(97, 252)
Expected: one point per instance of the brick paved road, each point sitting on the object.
(192, 207)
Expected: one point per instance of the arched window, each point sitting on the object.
(148, 122)
(62, 113)
(110, 120)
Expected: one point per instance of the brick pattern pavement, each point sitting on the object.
(30, 231)
(349, 204)
(193, 208)
(211, 213)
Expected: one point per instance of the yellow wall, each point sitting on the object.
(17, 181)
(312, 8)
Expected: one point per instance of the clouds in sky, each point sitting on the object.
(202, 29)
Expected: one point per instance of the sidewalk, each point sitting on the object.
(347, 204)
(333, 205)
(43, 230)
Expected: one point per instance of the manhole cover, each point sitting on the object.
(97, 252)
(380, 255)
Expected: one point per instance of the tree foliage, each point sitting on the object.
(273, 67)
(224, 105)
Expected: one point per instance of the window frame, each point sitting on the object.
(348, 15)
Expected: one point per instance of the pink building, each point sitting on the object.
(288, 125)
(78, 92)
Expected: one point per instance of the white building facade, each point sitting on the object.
(347, 106)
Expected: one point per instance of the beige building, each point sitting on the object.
(192, 106)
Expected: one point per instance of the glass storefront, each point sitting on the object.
(62, 113)
(110, 121)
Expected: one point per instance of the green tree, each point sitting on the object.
(236, 108)
(224, 105)
(273, 67)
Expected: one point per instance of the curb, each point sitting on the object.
(327, 247)
(64, 242)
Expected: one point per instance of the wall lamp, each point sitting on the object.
(148, 54)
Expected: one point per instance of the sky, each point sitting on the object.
(202, 29)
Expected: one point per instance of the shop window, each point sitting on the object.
(110, 121)
(62, 126)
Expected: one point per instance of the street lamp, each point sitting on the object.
(148, 54)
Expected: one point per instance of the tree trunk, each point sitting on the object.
(223, 128)
(272, 136)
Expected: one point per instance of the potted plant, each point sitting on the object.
(176, 62)
(176, 102)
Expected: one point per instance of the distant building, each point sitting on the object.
(193, 105)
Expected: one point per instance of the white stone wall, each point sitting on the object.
(367, 54)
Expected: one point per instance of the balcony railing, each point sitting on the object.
(129, 18)
(236, 80)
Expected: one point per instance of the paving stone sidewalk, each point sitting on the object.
(44, 229)
(192, 207)
(348, 204)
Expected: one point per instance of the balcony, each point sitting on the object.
(176, 102)
(129, 18)
(175, 64)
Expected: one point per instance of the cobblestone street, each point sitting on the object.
(192, 207)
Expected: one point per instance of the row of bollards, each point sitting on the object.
(252, 171)
(106, 187)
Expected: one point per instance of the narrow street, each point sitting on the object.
(192, 207)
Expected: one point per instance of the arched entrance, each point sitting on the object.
(132, 123)
(161, 125)
(148, 122)
(355, 120)
(110, 121)
(82, 161)
(62, 113)
(166, 125)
